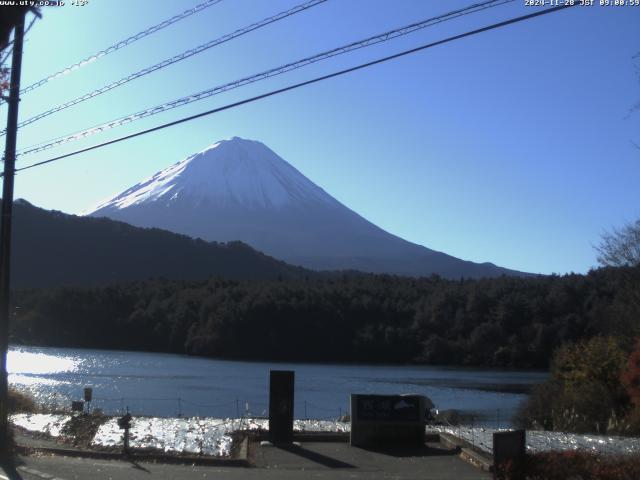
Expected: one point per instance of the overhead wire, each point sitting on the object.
(121, 44)
(170, 61)
(383, 37)
(304, 83)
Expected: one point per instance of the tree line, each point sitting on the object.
(500, 322)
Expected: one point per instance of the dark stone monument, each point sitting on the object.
(387, 420)
(510, 447)
(281, 406)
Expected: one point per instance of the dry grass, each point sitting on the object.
(20, 403)
(574, 465)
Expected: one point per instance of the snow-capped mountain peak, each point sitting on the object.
(240, 171)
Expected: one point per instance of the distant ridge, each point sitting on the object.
(239, 189)
(52, 248)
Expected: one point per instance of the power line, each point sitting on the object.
(169, 61)
(302, 84)
(383, 37)
(121, 44)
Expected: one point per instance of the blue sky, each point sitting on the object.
(514, 146)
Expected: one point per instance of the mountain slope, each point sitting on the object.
(241, 190)
(52, 248)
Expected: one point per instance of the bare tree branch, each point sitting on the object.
(620, 247)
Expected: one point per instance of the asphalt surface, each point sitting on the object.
(312, 460)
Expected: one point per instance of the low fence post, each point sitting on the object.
(473, 431)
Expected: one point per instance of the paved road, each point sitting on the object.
(322, 460)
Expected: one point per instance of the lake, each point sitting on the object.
(169, 385)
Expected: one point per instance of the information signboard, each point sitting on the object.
(387, 420)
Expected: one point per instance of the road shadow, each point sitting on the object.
(9, 468)
(315, 457)
(412, 451)
(137, 466)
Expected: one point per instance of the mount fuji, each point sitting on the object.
(239, 189)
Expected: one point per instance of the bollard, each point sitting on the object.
(509, 448)
(88, 395)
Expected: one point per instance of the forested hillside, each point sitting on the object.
(507, 322)
(52, 249)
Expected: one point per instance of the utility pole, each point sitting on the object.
(5, 225)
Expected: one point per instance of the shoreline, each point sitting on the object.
(328, 363)
(221, 439)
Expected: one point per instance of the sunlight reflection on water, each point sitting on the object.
(38, 374)
(35, 381)
(38, 363)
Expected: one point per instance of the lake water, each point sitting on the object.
(169, 385)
